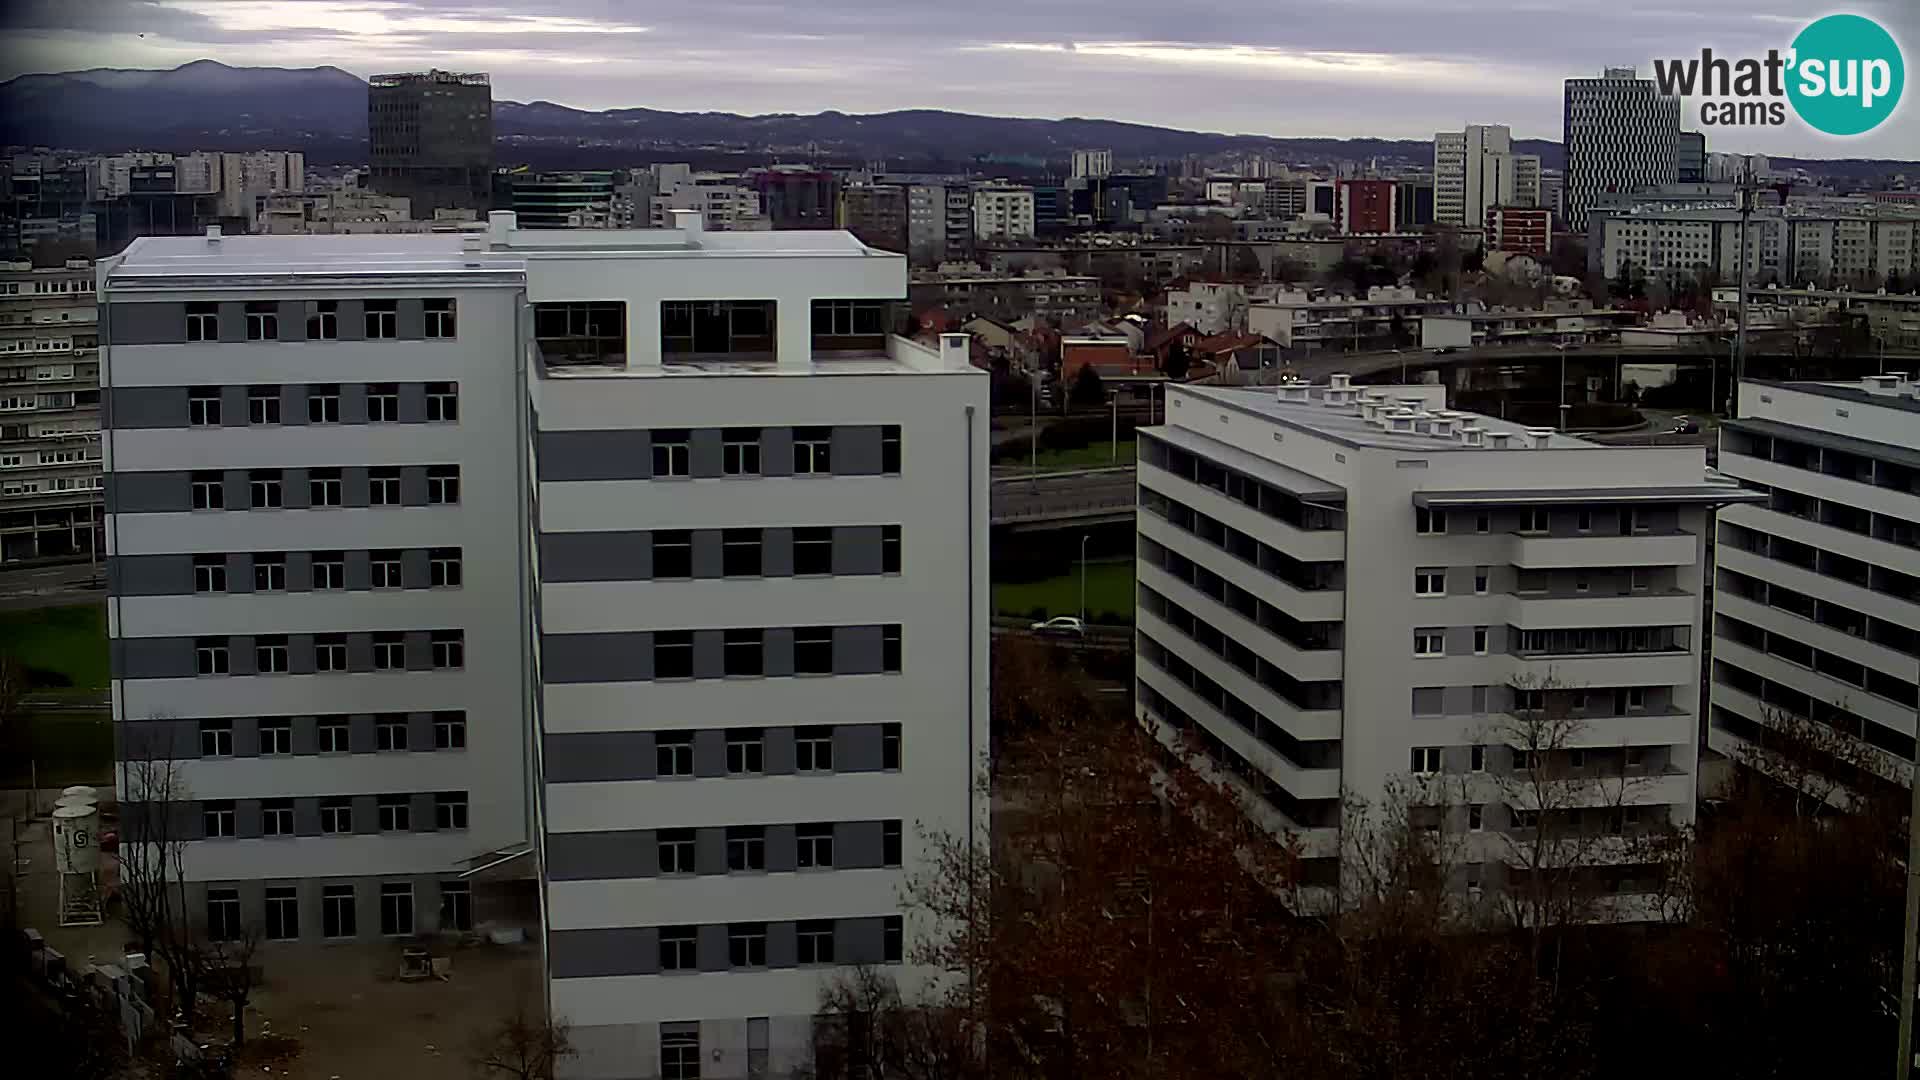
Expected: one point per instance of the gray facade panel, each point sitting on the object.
(710, 753)
(704, 453)
(707, 553)
(596, 556)
(413, 485)
(233, 321)
(713, 951)
(422, 808)
(239, 572)
(593, 756)
(419, 650)
(594, 455)
(300, 654)
(857, 650)
(354, 489)
(776, 451)
(130, 407)
(601, 856)
(856, 451)
(777, 650)
(709, 659)
(150, 575)
(306, 816)
(779, 751)
(858, 941)
(856, 748)
(414, 570)
(153, 658)
(294, 489)
(856, 549)
(352, 315)
(413, 403)
(149, 492)
(581, 954)
(246, 736)
(420, 735)
(366, 813)
(782, 849)
(585, 658)
(776, 552)
(353, 397)
(246, 819)
(783, 945)
(233, 404)
(857, 845)
(235, 482)
(710, 851)
(293, 320)
(411, 324)
(293, 401)
(146, 324)
(306, 734)
(361, 738)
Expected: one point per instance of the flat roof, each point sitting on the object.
(1342, 425)
(1901, 455)
(358, 254)
(1703, 492)
(1290, 480)
(1849, 392)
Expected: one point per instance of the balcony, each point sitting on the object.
(1649, 727)
(1532, 552)
(1542, 612)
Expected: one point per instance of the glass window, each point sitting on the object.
(336, 911)
(740, 452)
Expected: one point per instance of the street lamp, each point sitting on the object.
(1113, 457)
(1084, 537)
(1561, 348)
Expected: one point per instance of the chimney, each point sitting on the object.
(1539, 437)
(1400, 421)
(1443, 427)
(501, 225)
(1473, 436)
(691, 222)
(956, 350)
(1340, 380)
(1887, 383)
(1295, 390)
(1498, 439)
(213, 234)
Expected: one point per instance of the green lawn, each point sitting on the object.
(1109, 591)
(57, 749)
(66, 642)
(1099, 455)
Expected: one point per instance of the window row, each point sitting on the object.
(275, 489)
(320, 320)
(720, 453)
(1557, 703)
(740, 451)
(716, 947)
(1827, 613)
(1862, 468)
(320, 571)
(1318, 754)
(1304, 813)
(1779, 697)
(1308, 576)
(270, 736)
(731, 849)
(341, 815)
(1302, 635)
(283, 917)
(1864, 575)
(1274, 678)
(387, 650)
(814, 944)
(718, 654)
(1547, 521)
(1840, 515)
(1598, 640)
(1549, 763)
(1832, 665)
(1240, 487)
(823, 749)
(308, 404)
(672, 554)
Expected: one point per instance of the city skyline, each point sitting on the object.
(1385, 68)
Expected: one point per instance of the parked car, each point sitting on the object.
(1685, 425)
(1060, 626)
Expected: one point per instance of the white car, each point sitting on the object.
(1062, 625)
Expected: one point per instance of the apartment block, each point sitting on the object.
(1002, 212)
(1620, 134)
(643, 573)
(1476, 169)
(1347, 589)
(1817, 595)
(49, 412)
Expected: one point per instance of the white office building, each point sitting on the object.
(49, 412)
(641, 576)
(1620, 134)
(1344, 588)
(1092, 164)
(1817, 595)
(1477, 168)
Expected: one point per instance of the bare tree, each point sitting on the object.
(152, 866)
(230, 973)
(1817, 764)
(523, 1045)
(13, 686)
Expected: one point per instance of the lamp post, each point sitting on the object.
(1033, 422)
(1084, 537)
(1113, 456)
(1561, 348)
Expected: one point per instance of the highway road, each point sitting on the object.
(50, 586)
(1059, 496)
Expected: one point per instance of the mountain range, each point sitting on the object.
(206, 105)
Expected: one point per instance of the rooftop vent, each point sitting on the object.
(1498, 439)
(1400, 420)
(1539, 437)
(1473, 436)
(1340, 380)
(1443, 427)
(1337, 397)
(213, 234)
(1884, 382)
(1296, 390)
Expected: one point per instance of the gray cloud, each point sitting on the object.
(1287, 67)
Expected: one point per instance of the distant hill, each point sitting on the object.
(207, 105)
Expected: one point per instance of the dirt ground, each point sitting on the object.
(326, 1011)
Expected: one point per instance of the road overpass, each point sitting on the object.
(1080, 497)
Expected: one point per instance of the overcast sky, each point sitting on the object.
(1395, 68)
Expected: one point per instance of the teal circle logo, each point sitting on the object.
(1847, 75)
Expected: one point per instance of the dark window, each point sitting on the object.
(330, 652)
(216, 738)
(384, 568)
(395, 813)
(812, 450)
(383, 403)
(264, 490)
(443, 568)
(383, 486)
(746, 752)
(323, 320)
(270, 655)
(439, 314)
(890, 843)
(334, 735)
(203, 406)
(210, 656)
(743, 653)
(889, 549)
(209, 491)
(390, 731)
(747, 945)
(396, 907)
(209, 573)
(680, 1052)
(329, 570)
(382, 319)
(672, 553)
(890, 448)
(203, 322)
(813, 749)
(890, 648)
(456, 906)
(449, 731)
(443, 484)
(276, 735)
(581, 333)
(849, 318)
(893, 939)
(450, 810)
(336, 816)
(672, 452)
(813, 550)
(223, 914)
(336, 911)
(673, 753)
(283, 912)
(269, 572)
(263, 405)
(325, 488)
(716, 327)
(676, 851)
(323, 403)
(740, 452)
(449, 649)
(217, 818)
(673, 654)
(443, 402)
(815, 941)
(740, 553)
(746, 847)
(813, 650)
(890, 746)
